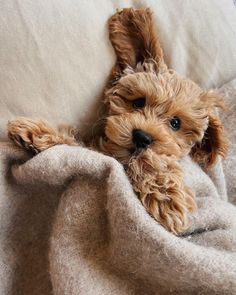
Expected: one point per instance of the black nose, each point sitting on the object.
(141, 139)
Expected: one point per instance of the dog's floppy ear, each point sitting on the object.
(134, 39)
(214, 142)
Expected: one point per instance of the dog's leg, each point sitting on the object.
(158, 181)
(38, 135)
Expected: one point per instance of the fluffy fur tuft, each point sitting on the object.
(39, 135)
(158, 180)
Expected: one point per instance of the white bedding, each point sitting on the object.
(55, 56)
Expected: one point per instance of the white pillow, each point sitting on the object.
(55, 56)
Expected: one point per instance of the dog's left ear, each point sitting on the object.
(214, 142)
(134, 39)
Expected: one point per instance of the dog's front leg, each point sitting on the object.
(38, 135)
(158, 181)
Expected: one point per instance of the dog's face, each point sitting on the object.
(151, 107)
(162, 112)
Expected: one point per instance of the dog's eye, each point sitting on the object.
(139, 103)
(175, 123)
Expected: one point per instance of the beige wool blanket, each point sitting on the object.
(71, 224)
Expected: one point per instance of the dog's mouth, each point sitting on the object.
(135, 151)
(123, 153)
(132, 151)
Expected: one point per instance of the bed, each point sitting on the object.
(70, 221)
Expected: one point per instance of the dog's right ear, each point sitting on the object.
(134, 39)
(214, 142)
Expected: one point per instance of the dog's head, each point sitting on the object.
(152, 107)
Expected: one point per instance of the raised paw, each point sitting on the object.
(36, 135)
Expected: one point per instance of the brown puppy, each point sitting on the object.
(154, 118)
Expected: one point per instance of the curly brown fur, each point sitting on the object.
(141, 73)
(158, 179)
(38, 135)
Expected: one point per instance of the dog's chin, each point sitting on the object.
(127, 153)
(134, 154)
(140, 153)
(136, 151)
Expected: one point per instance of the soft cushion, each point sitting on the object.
(55, 56)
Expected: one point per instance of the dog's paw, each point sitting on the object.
(32, 135)
(158, 181)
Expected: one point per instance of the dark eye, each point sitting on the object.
(175, 123)
(139, 103)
